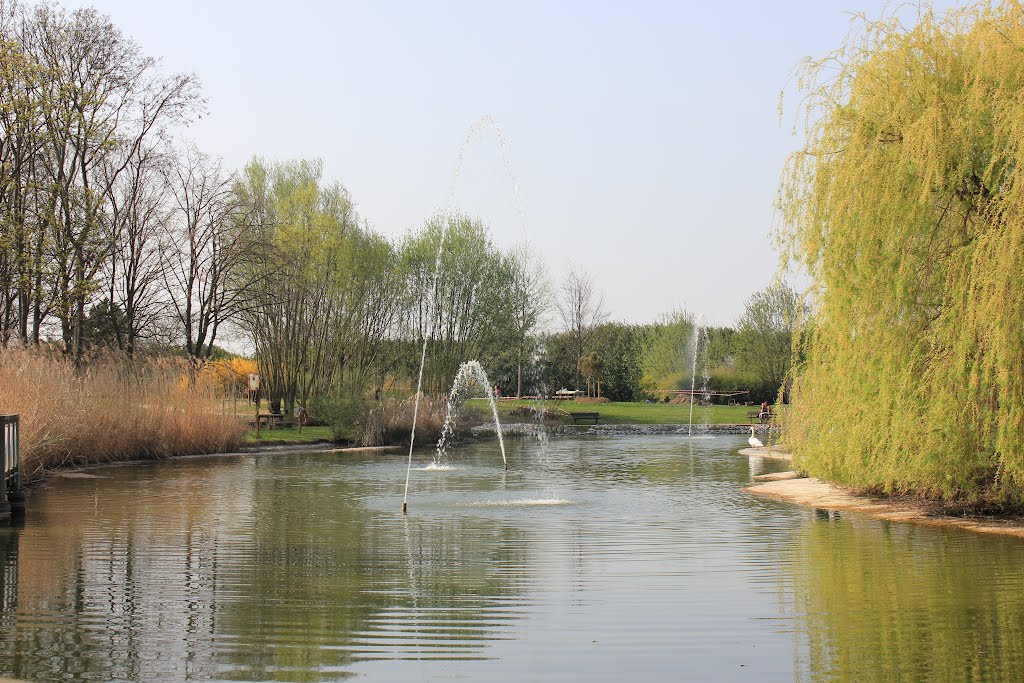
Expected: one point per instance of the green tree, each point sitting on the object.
(764, 334)
(620, 349)
(905, 206)
(322, 292)
(467, 313)
(668, 352)
(591, 365)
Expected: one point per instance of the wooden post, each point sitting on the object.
(254, 386)
(9, 464)
(5, 507)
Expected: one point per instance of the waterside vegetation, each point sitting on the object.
(906, 207)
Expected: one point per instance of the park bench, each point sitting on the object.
(756, 415)
(583, 417)
(271, 420)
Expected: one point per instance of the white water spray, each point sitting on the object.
(483, 124)
(470, 374)
(693, 372)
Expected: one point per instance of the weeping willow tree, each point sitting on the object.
(906, 207)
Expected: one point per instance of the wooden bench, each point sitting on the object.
(270, 419)
(583, 417)
(756, 415)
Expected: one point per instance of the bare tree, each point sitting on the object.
(531, 300)
(581, 308)
(138, 215)
(100, 100)
(206, 247)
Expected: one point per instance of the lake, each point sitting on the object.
(601, 559)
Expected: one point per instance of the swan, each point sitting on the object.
(754, 441)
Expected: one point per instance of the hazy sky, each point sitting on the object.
(644, 137)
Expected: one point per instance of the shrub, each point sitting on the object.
(346, 416)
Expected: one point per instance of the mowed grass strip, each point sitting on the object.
(634, 413)
(611, 413)
(288, 435)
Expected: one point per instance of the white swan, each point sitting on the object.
(754, 441)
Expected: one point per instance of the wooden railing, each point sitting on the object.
(11, 495)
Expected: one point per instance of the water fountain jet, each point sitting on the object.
(483, 124)
(470, 371)
(693, 371)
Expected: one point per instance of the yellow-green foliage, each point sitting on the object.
(884, 603)
(906, 206)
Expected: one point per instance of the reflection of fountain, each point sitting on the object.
(470, 375)
(693, 371)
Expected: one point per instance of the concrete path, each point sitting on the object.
(819, 494)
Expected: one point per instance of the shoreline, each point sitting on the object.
(480, 432)
(80, 471)
(815, 493)
(530, 429)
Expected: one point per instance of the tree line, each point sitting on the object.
(631, 362)
(116, 232)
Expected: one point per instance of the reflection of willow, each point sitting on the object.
(890, 602)
(330, 584)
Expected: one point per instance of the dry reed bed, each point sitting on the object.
(390, 423)
(109, 411)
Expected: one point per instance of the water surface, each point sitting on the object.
(614, 558)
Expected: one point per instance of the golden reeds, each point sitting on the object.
(109, 410)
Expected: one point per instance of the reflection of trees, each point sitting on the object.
(248, 569)
(118, 577)
(890, 602)
(330, 584)
(670, 469)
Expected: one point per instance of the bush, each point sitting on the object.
(346, 416)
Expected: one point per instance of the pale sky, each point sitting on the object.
(644, 137)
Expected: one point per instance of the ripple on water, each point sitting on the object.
(517, 503)
(598, 559)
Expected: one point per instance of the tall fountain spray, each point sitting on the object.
(693, 371)
(483, 124)
(470, 374)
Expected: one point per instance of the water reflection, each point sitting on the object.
(258, 567)
(882, 601)
(300, 568)
(8, 572)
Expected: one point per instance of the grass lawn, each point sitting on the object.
(611, 413)
(639, 413)
(290, 435)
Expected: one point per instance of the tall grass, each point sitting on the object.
(390, 423)
(109, 410)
